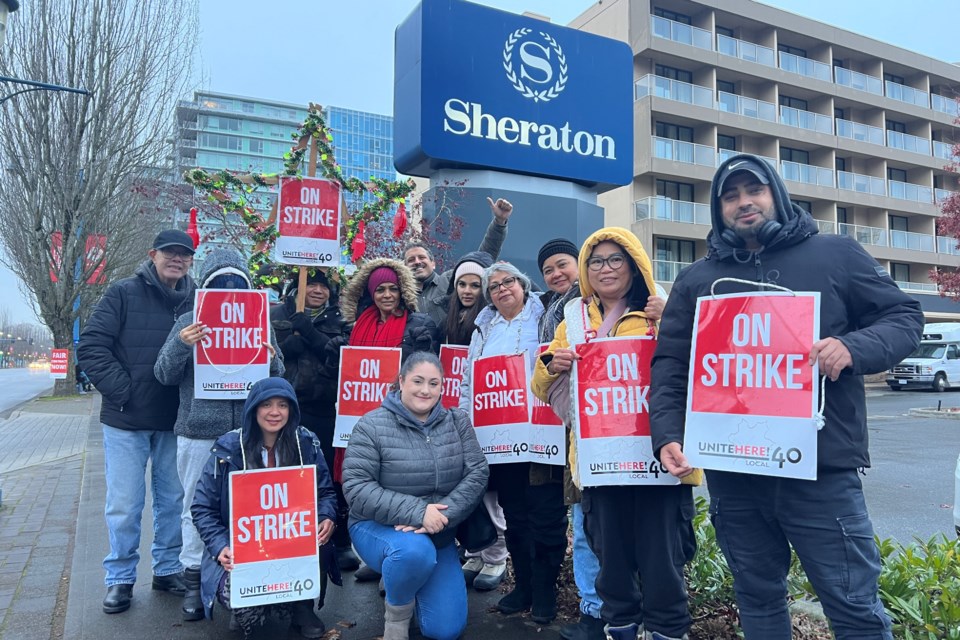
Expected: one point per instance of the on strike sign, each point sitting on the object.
(59, 361)
(273, 534)
(454, 360)
(612, 382)
(308, 222)
(366, 374)
(232, 356)
(753, 397)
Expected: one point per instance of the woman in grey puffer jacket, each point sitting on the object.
(413, 471)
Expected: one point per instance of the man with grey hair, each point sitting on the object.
(433, 296)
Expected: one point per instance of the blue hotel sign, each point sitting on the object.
(480, 88)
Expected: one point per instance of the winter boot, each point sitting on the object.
(587, 628)
(192, 603)
(546, 568)
(366, 573)
(396, 620)
(521, 597)
(653, 635)
(305, 620)
(628, 632)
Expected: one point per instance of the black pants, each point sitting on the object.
(322, 425)
(536, 518)
(642, 535)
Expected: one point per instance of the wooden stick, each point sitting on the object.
(302, 285)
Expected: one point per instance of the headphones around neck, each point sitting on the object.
(765, 235)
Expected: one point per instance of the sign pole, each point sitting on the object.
(302, 282)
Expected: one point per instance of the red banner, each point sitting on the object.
(238, 321)
(500, 388)
(613, 387)
(56, 255)
(541, 413)
(366, 374)
(454, 361)
(273, 514)
(308, 208)
(94, 257)
(751, 356)
(59, 363)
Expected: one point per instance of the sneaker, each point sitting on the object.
(490, 576)
(587, 628)
(627, 632)
(471, 569)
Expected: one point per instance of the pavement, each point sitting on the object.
(53, 540)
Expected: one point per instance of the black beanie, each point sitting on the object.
(555, 246)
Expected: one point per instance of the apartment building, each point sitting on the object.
(861, 130)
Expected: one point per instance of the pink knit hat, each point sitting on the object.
(379, 276)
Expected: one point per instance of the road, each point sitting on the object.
(19, 385)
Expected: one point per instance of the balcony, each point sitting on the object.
(725, 154)
(749, 107)
(944, 151)
(861, 183)
(805, 67)
(907, 142)
(859, 131)
(925, 287)
(910, 191)
(857, 80)
(807, 173)
(661, 208)
(912, 241)
(806, 120)
(939, 195)
(943, 104)
(745, 50)
(687, 152)
(947, 246)
(864, 235)
(683, 33)
(903, 93)
(826, 226)
(666, 271)
(651, 85)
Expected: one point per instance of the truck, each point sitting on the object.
(935, 364)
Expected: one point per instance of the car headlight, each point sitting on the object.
(926, 369)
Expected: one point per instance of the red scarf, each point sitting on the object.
(369, 331)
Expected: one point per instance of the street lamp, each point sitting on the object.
(6, 8)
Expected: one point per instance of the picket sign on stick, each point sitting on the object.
(302, 278)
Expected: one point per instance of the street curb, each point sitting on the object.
(953, 413)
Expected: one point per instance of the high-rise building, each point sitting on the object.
(861, 130)
(220, 131)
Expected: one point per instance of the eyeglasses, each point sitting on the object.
(167, 253)
(615, 262)
(506, 283)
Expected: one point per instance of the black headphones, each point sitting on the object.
(765, 235)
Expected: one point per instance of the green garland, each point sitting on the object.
(220, 185)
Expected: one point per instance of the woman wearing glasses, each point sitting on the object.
(536, 516)
(642, 534)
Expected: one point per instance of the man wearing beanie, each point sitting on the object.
(433, 296)
(302, 337)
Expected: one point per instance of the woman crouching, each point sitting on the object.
(413, 471)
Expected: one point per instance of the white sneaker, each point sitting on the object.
(490, 577)
(472, 568)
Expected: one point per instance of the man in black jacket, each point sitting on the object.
(118, 349)
(866, 325)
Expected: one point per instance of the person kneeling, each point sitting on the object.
(413, 471)
(270, 437)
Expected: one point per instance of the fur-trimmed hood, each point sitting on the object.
(355, 298)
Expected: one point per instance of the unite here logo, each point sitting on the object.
(535, 65)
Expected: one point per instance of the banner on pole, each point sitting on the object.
(232, 356)
(612, 382)
(752, 396)
(308, 222)
(453, 358)
(59, 361)
(366, 374)
(94, 257)
(273, 534)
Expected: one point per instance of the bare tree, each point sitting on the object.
(72, 168)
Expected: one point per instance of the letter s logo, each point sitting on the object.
(542, 64)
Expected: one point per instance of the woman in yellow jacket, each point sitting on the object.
(642, 535)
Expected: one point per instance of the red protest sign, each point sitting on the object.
(239, 325)
(540, 412)
(273, 514)
(613, 387)
(94, 258)
(309, 208)
(59, 361)
(500, 390)
(453, 358)
(56, 254)
(750, 355)
(366, 374)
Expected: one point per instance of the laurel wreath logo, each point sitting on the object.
(545, 95)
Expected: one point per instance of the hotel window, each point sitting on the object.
(899, 127)
(891, 77)
(806, 205)
(724, 31)
(785, 48)
(681, 191)
(899, 223)
(899, 175)
(839, 113)
(673, 73)
(794, 155)
(840, 164)
(793, 103)
(671, 15)
(842, 215)
(674, 132)
(726, 86)
(726, 142)
(672, 250)
(900, 271)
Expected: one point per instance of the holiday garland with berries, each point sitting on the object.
(231, 192)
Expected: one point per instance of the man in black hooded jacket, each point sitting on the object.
(866, 325)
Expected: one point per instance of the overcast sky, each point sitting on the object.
(341, 52)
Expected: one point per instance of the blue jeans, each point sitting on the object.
(126, 454)
(585, 567)
(757, 519)
(413, 568)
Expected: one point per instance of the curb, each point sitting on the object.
(952, 413)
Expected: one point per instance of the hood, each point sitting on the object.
(221, 261)
(355, 298)
(148, 272)
(797, 223)
(482, 258)
(629, 242)
(264, 390)
(393, 404)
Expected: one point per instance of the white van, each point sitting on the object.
(934, 364)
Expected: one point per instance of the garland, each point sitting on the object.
(231, 192)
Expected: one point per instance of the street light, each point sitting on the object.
(6, 8)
